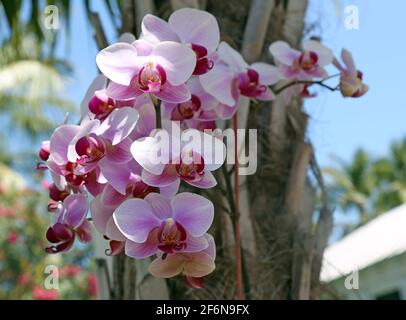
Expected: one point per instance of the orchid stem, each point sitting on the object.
(309, 82)
(238, 264)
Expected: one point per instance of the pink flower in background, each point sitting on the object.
(192, 162)
(7, 212)
(24, 279)
(162, 72)
(196, 28)
(92, 285)
(301, 65)
(159, 224)
(39, 293)
(71, 270)
(12, 237)
(233, 77)
(191, 265)
(351, 84)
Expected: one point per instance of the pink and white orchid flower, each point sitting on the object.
(190, 156)
(196, 28)
(351, 84)
(78, 150)
(233, 77)
(301, 65)
(162, 71)
(160, 224)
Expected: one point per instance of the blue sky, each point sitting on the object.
(338, 125)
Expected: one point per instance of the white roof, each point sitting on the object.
(381, 238)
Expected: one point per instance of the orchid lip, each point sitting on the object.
(171, 236)
(203, 63)
(151, 77)
(193, 169)
(187, 110)
(101, 108)
(70, 175)
(90, 149)
(307, 61)
(249, 84)
(139, 189)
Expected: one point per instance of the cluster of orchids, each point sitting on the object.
(105, 170)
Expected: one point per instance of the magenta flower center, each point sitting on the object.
(101, 108)
(187, 110)
(139, 189)
(307, 61)
(203, 63)
(192, 169)
(151, 77)
(56, 194)
(249, 84)
(71, 176)
(44, 152)
(171, 236)
(90, 149)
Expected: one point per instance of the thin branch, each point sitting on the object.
(238, 260)
(308, 82)
(229, 189)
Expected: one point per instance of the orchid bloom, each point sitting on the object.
(193, 265)
(97, 104)
(78, 150)
(196, 28)
(192, 162)
(351, 84)
(301, 65)
(202, 107)
(160, 224)
(70, 221)
(161, 70)
(233, 77)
